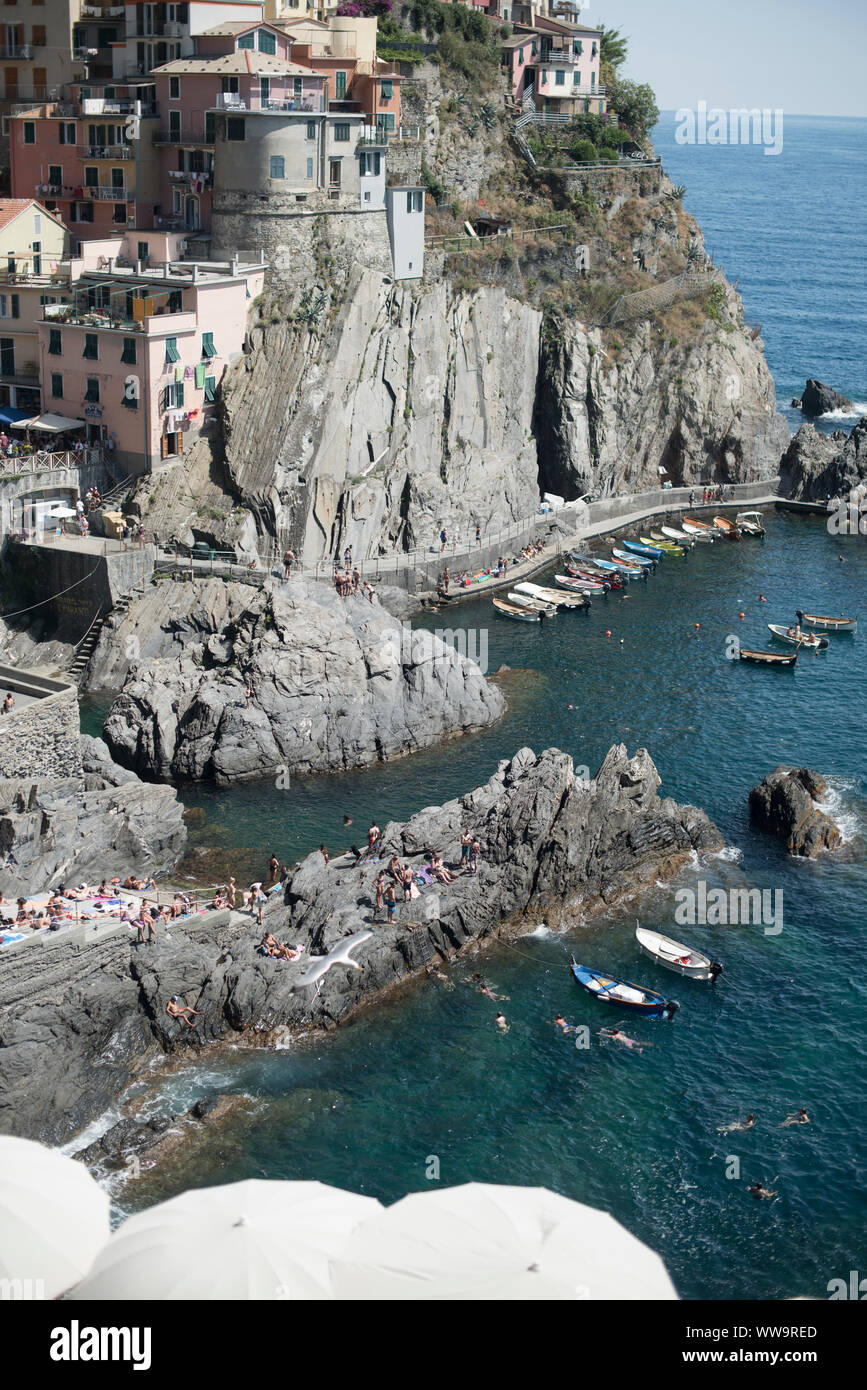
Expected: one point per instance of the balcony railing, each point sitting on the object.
(105, 151)
(184, 136)
(378, 135)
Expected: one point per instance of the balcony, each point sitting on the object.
(21, 53)
(378, 135)
(184, 137)
(113, 152)
(104, 194)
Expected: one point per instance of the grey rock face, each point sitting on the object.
(784, 803)
(818, 399)
(549, 843)
(819, 466)
(82, 828)
(336, 683)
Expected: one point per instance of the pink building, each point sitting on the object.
(139, 353)
(554, 66)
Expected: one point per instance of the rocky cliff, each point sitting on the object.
(550, 843)
(818, 466)
(335, 683)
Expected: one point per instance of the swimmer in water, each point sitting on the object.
(799, 1117)
(737, 1124)
(758, 1189)
(501, 1023)
(616, 1036)
(487, 991)
(560, 1022)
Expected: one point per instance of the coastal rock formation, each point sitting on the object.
(551, 843)
(819, 399)
(335, 683)
(82, 828)
(785, 804)
(818, 466)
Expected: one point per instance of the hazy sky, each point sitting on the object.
(809, 59)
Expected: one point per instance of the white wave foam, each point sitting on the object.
(839, 809)
(856, 409)
(540, 931)
(732, 854)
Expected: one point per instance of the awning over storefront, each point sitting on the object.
(51, 424)
(9, 415)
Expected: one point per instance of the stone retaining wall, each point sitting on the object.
(42, 739)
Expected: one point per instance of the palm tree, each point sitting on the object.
(612, 52)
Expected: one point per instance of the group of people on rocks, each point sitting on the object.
(398, 877)
(718, 492)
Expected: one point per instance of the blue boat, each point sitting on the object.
(652, 552)
(641, 560)
(623, 995)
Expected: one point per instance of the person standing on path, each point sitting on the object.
(443, 539)
(288, 562)
(478, 534)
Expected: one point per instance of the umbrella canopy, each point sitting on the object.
(62, 513)
(53, 1217)
(483, 1241)
(247, 1240)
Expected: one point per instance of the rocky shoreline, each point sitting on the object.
(551, 844)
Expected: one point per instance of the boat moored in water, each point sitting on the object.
(556, 596)
(728, 528)
(671, 533)
(537, 605)
(839, 624)
(633, 562)
(750, 523)
(769, 658)
(514, 610)
(577, 586)
(702, 528)
(650, 552)
(623, 995)
(683, 960)
(664, 547)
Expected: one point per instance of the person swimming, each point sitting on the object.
(737, 1124)
(501, 1023)
(758, 1189)
(798, 1117)
(616, 1036)
(560, 1022)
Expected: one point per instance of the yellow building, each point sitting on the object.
(34, 271)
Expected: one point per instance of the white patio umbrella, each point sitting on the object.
(62, 512)
(483, 1241)
(54, 1218)
(247, 1240)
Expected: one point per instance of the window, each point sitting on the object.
(30, 132)
(7, 356)
(172, 354)
(267, 42)
(340, 85)
(236, 128)
(174, 125)
(210, 387)
(278, 166)
(230, 84)
(55, 176)
(92, 392)
(174, 89)
(173, 396)
(119, 213)
(143, 252)
(311, 130)
(334, 173)
(576, 78)
(298, 88)
(36, 248)
(310, 168)
(247, 41)
(82, 212)
(592, 81)
(130, 397)
(264, 89)
(577, 48)
(209, 127)
(66, 132)
(9, 306)
(415, 200)
(117, 179)
(208, 349)
(341, 130)
(387, 91)
(91, 346)
(129, 353)
(171, 444)
(54, 346)
(91, 177)
(559, 78)
(371, 162)
(385, 121)
(56, 384)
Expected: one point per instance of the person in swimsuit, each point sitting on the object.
(379, 889)
(175, 1009)
(758, 1189)
(616, 1036)
(501, 1023)
(798, 1117)
(737, 1124)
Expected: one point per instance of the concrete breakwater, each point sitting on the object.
(551, 843)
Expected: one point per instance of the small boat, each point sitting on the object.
(536, 604)
(595, 583)
(650, 552)
(812, 641)
(514, 610)
(750, 523)
(659, 537)
(634, 562)
(555, 596)
(683, 960)
(665, 547)
(839, 624)
(671, 533)
(609, 580)
(577, 586)
(622, 994)
(689, 523)
(768, 658)
(727, 528)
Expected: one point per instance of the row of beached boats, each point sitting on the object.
(638, 999)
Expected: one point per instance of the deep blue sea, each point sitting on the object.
(427, 1073)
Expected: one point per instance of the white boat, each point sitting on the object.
(839, 624)
(514, 610)
(750, 523)
(559, 597)
(683, 960)
(680, 536)
(537, 605)
(815, 641)
(577, 586)
(697, 528)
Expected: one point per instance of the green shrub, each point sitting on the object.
(583, 152)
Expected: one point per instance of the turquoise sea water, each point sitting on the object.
(427, 1073)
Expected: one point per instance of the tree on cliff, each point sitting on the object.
(612, 54)
(636, 106)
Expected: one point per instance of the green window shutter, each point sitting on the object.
(247, 41)
(92, 392)
(267, 42)
(16, 312)
(179, 394)
(56, 384)
(210, 387)
(208, 349)
(54, 347)
(172, 354)
(131, 402)
(200, 375)
(387, 91)
(129, 352)
(91, 349)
